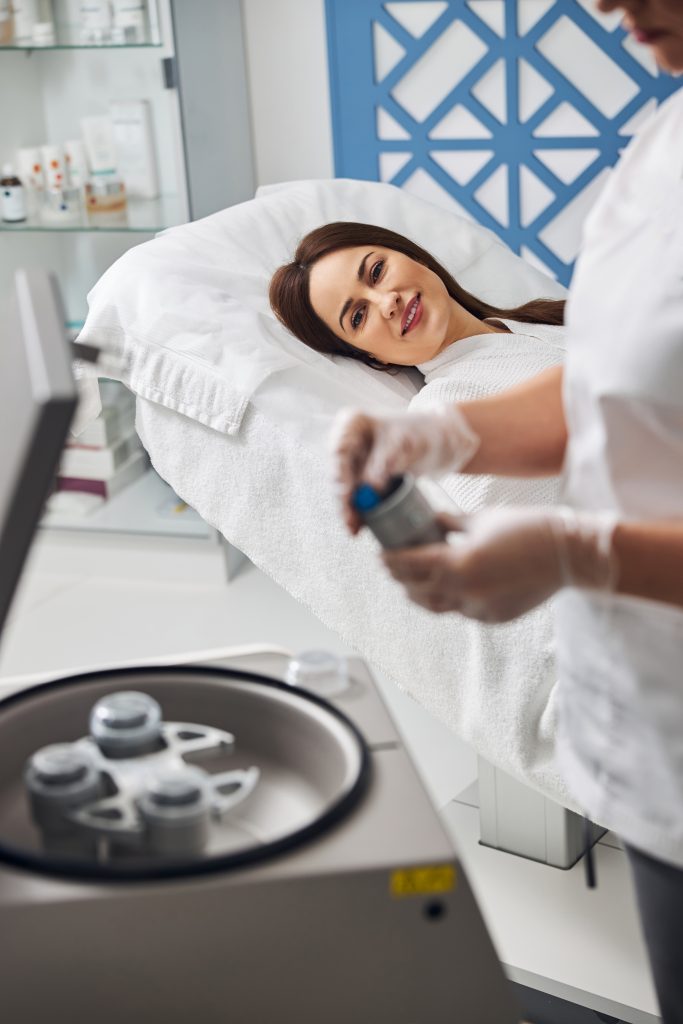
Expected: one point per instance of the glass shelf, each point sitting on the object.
(68, 37)
(142, 215)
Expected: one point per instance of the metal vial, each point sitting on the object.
(401, 517)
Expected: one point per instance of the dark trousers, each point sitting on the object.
(659, 888)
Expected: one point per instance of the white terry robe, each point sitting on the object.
(493, 685)
(480, 366)
(514, 661)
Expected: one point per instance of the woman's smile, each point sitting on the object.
(386, 304)
(412, 315)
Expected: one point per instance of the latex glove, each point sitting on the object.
(373, 449)
(503, 562)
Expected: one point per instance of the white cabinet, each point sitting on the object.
(188, 65)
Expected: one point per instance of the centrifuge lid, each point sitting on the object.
(313, 765)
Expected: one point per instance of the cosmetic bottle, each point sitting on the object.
(61, 205)
(135, 153)
(105, 199)
(129, 21)
(30, 164)
(98, 139)
(95, 21)
(6, 24)
(400, 516)
(76, 163)
(44, 25)
(53, 165)
(25, 17)
(13, 203)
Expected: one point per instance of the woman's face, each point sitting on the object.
(384, 303)
(657, 23)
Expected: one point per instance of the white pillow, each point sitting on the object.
(188, 315)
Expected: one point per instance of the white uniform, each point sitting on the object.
(620, 658)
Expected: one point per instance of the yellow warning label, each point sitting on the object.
(423, 881)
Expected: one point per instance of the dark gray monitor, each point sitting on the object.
(37, 402)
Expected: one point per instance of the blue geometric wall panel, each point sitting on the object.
(507, 111)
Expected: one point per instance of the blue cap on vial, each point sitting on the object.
(365, 498)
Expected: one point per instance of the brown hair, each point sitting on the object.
(290, 299)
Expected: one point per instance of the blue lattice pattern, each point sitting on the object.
(526, 163)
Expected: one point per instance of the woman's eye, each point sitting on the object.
(376, 271)
(357, 319)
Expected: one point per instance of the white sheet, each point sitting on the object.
(270, 496)
(235, 413)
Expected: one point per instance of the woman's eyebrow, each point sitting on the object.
(347, 304)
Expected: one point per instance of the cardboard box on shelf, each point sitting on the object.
(130, 470)
(98, 463)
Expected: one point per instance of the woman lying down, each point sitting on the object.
(371, 294)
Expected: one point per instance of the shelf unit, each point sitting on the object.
(148, 506)
(145, 216)
(67, 39)
(191, 70)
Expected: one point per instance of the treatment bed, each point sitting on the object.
(235, 415)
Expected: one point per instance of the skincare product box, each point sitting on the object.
(130, 21)
(71, 504)
(115, 420)
(105, 199)
(95, 21)
(98, 463)
(132, 469)
(135, 154)
(6, 24)
(98, 138)
(25, 17)
(33, 23)
(61, 205)
(111, 424)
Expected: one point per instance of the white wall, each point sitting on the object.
(289, 90)
(287, 71)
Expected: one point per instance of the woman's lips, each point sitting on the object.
(641, 36)
(416, 304)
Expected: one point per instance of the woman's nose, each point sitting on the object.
(389, 304)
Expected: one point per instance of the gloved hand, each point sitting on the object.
(372, 449)
(502, 562)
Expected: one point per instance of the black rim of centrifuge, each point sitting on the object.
(165, 870)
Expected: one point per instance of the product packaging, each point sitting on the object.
(25, 17)
(61, 205)
(44, 34)
(30, 166)
(6, 24)
(44, 24)
(129, 21)
(12, 201)
(98, 139)
(53, 165)
(30, 163)
(135, 153)
(95, 21)
(76, 162)
(105, 199)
